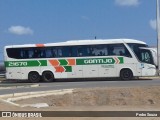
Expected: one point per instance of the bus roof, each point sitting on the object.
(80, 42)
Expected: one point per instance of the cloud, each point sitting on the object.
(153, 24)
(20, 30)
(127, 2)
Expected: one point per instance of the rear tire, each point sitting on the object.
(126, 74)
(34, 77)
(48, 76)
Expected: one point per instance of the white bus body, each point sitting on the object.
(79, 59)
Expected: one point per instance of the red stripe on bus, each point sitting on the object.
(59, 69)
(71, 61)
(54, 62)
(39, 45)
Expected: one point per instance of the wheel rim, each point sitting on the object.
(48, 76)
(34, 77)
(126, 74)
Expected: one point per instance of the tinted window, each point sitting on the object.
(97, 50)
(146, 56)
(136, 48)
(14, 52)
(68, 51)
(118, 50)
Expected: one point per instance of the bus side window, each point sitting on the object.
(43, 53)
(24, 53)
(15, 53)
(70, 53)
(31, 53)
(79, 51)
(105, 50)
(59, 52)
(97, 50)
(67, 51)
(101, 50)
(118, 50)
(36, 53)
(90, 51)
(82, 51)
(74, 51)
(111, 50)
(54, 52)
(48, 53)
(127, 54)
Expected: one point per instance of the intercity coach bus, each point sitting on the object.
(123, 58)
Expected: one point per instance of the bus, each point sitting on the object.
(103, 58)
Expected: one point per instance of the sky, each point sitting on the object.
(48, 21)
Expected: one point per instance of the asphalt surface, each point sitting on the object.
(66, 84)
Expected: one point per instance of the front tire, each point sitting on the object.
(126, 74)
(34, 77)
(48, 76)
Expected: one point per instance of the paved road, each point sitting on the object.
(80, 84)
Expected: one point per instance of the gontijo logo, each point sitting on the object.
(96, 61)
(114, 60)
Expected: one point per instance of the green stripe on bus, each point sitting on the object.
(68, 68)
(121, 60)
(116, 60)
(63, 62)
(32, 63)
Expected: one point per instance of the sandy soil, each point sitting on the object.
(135, 96)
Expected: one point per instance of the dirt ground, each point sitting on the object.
(135, 96)
(97, 99)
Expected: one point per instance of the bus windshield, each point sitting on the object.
(143, 55)
(146, 56)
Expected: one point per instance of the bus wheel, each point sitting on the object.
(34, 77)
(126, 74)
(48, 76)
